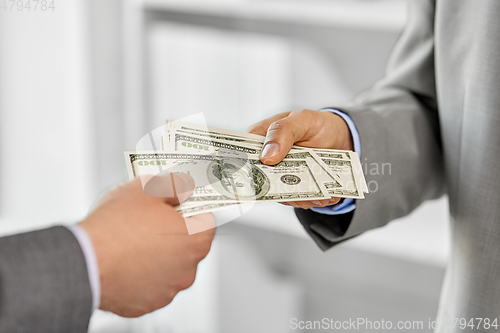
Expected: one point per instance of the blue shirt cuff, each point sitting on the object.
(348, 205)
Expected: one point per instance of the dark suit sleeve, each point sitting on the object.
(44, 285)
(398, 124)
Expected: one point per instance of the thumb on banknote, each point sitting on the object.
(282, 134)
(307, 128)
(173, 187)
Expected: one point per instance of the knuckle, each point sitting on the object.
(257, 126)
(206, 249)
(195, 254)
(277, 126)
(186, 281)
(253, 129)
(302, 112)
(201, 249)
(169, 296)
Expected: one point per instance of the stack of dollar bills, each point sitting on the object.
(227, 171)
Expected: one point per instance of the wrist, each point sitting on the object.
(343, 138)
(91, 228)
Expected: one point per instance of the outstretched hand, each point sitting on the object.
(144, 252)
(307, 128)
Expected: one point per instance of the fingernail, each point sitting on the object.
(270, 149)
(317, 203)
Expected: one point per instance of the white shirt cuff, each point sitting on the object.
(91, 261)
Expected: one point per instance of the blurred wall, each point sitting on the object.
(46, 172)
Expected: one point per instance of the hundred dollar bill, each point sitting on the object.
(346, 155)
(228, 179)
(243, 137)
(247, 139)
(253, 140)
(188, 209)
(168, 138)
(202, 145)
(320, 155)
(207, 131)
(329, 180)
(344, 169)
(195, 128)
(358, 170)
(330, 153)
(226, 139)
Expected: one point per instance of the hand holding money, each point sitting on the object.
(141, 266)
(228, 170)
(306, 128)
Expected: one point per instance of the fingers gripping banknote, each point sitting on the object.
(227, 171)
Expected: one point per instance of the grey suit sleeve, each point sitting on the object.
(397, 120)
(44, 286)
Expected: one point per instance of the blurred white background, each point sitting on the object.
(82, 83)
